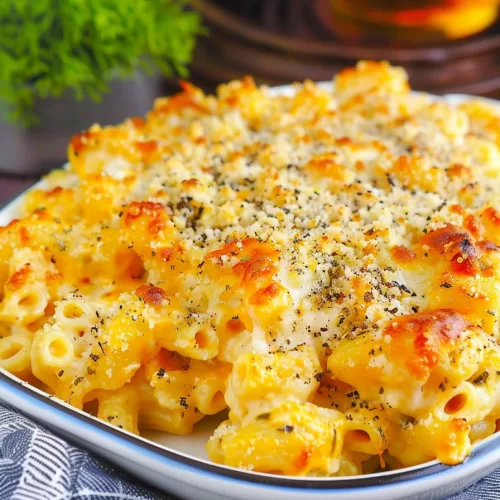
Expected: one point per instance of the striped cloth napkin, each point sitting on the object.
(36, 465)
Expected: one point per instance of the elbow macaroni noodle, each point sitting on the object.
(323, 267)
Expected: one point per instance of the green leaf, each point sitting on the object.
(51, 46)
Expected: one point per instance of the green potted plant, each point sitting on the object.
(65, 64)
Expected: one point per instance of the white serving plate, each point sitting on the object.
(179, 464)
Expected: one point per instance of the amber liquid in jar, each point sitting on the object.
(412, 21)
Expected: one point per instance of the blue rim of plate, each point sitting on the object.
(481, 452)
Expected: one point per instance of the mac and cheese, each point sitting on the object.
(323, 267)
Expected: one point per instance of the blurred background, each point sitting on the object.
(64, 67)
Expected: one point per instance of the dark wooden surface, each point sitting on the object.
(10, 187)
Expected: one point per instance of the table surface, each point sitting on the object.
(10, 187)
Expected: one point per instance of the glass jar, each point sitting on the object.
(412, 21)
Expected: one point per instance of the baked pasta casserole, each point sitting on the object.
(323, 266)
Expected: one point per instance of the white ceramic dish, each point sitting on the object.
(179, 464)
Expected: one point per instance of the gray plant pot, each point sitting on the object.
(36, 150)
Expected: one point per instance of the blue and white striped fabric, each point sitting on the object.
(36, 465)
